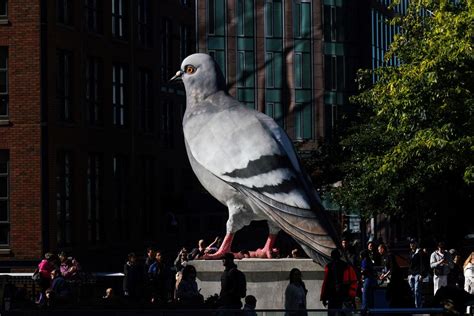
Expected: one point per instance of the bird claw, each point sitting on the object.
(261, 253)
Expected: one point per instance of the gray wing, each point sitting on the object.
(249, 151)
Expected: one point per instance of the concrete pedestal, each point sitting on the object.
(267, 279)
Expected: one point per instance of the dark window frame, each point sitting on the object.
(94, 99)
(64, 85)
(5, 174)
(145, 23)
(95, 220)
(93, 16)
(64, 203)
(119, 95)
(120, 13)
(4, 95)
(120, 176)
(3, 9)
(145, 100)
(64, 12)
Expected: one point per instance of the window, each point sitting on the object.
(167, 123)
(3, 81)
(94, 90)
(302, 19)
(145, 100)
(63, 198)
(120, 169)
(211, 17)
(64, 85)
(119, 19)
(94, 198)
(302, 71)
(245, 17)
(4, 198)
(273, 18)
(275, 111)
(64, 12)
(93, 20)
(304, 121)
(334, 73)
(166, 50)
(3, 9)
(148, 193)
(145, 35)
(119, 97)
(184, 41)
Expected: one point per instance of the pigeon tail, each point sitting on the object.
(304, 225)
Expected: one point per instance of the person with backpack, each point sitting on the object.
(339, 284)
(233, 285)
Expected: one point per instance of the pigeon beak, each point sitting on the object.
(176, 77)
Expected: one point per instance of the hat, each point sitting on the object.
(413, 241)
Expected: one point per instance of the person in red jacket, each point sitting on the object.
(339, 284)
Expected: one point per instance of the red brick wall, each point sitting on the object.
(21, 136)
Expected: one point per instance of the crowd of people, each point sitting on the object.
(350, 280)
(56, 275)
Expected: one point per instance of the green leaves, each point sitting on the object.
(417, 139)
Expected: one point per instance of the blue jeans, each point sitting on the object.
(415, 285)
(368, 290)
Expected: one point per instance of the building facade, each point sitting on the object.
(91, 154)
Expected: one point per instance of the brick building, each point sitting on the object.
(91, 153)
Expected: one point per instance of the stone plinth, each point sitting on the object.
(267, 279)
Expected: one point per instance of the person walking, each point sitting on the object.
(417, 271)
(295, 295)
(441, 263)
(233, 284)
(468, 269)
(339, 283)
(368, 280)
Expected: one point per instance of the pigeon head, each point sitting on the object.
(201, 76)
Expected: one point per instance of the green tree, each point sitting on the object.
(414, 151)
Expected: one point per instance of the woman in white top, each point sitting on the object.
(295, 295)
(469, 274)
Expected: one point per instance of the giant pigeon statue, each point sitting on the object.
(248, 163)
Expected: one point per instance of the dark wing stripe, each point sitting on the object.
(286, 186)
(261, 165)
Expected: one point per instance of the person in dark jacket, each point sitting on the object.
(133, 277)
(233, 284)
(418, 269)
(339, 285)
(158, 275)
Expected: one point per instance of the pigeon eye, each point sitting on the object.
(190, 69)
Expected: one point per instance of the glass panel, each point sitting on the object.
(4, 232)
(305, 19)
(249, 73)
(248, 18)
(269, 109)
(278, 69)
(298, 61)
(3, 211)
(3, 7)
(297, 20)
(306, 71)
(211, 16)
(3, 167)
(277, 20)
(269, 19)
(340, 72)
(298, 121)
(269, 70)
(3, 187)
(3, 82)
(307, 121)
(3, 57)
(3, 104)
(220, 17)
(240, 17)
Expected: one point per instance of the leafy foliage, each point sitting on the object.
(415, 147)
